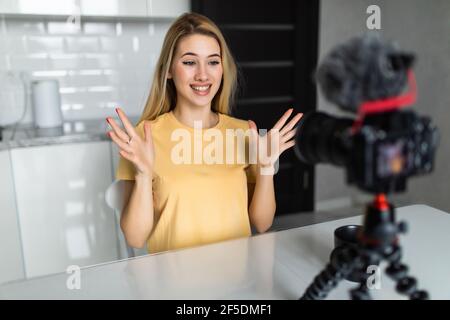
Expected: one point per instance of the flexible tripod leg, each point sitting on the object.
(398, 271)
(345, 260)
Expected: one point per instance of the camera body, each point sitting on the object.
(389, 149)
(379, 157)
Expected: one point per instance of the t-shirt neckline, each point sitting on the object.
(180, 124)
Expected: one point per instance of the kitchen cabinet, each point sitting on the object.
(104, 8)
(164, 8)
(50, 7)
(134, 8)
(11, 266)
(64, 219)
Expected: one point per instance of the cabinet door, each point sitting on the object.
(11, 266)
(123, 8)
(170, 9)
(63, 216)
(63, 7)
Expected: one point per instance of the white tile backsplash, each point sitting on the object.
(44, 44)
(30, 62)
(100, 61)
(62, 27)
(12, 44)
(99, 28)
(14, 26)
(65, 61)
(82, 44)
(103, 65)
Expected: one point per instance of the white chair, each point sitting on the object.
(116, 197)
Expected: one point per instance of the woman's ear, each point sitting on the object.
(169, 73)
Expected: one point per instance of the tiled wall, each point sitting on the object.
(99, 66)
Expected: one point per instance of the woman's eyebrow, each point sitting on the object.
(194, 54)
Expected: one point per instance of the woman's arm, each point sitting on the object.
(269, 148)
(136, 220)
(262, 205)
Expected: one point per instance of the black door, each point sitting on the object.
(275, 47)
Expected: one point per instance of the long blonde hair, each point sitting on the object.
(163, 95)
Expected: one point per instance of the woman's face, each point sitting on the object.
(197, 70)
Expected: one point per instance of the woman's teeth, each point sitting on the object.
(200, 88)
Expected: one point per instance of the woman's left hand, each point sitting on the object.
(271, 145)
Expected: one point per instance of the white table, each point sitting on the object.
(276, 265)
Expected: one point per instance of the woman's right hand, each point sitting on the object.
(139, 151)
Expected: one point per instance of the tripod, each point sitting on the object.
(358, 247)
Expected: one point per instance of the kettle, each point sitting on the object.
(46, 104)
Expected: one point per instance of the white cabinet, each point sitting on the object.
(167, 8)
(125, 8)
(107, 8)
(64, 219)
(11, 265)
(51, 7)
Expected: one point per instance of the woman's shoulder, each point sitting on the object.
(155, 123)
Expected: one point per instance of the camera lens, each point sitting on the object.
(322, 138)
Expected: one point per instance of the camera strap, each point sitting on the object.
(388, 104)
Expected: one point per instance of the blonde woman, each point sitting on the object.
(175, 204)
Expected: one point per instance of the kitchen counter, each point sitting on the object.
(274, 265)
(70, 132)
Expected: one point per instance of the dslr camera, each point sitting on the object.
(385, 142)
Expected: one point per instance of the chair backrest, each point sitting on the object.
(114, 195)
(116, 198)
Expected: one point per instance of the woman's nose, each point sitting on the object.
(201, 74)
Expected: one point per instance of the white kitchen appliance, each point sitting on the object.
(46, 104)
(12, 98)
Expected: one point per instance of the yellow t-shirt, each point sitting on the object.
(200, 191)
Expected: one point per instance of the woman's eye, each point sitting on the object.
(215, 62)
(188, 63)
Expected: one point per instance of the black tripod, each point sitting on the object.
(358, 247)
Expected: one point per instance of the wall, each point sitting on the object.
(420, 26)
(107, 63)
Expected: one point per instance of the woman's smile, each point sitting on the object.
(201, 90)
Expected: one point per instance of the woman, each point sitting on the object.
(194, 202)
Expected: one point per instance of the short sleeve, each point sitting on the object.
(125, 169)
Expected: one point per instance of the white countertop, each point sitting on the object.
(275, 265)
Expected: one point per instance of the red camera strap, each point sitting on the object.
(388, 104)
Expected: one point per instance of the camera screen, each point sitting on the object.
(393, 159)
